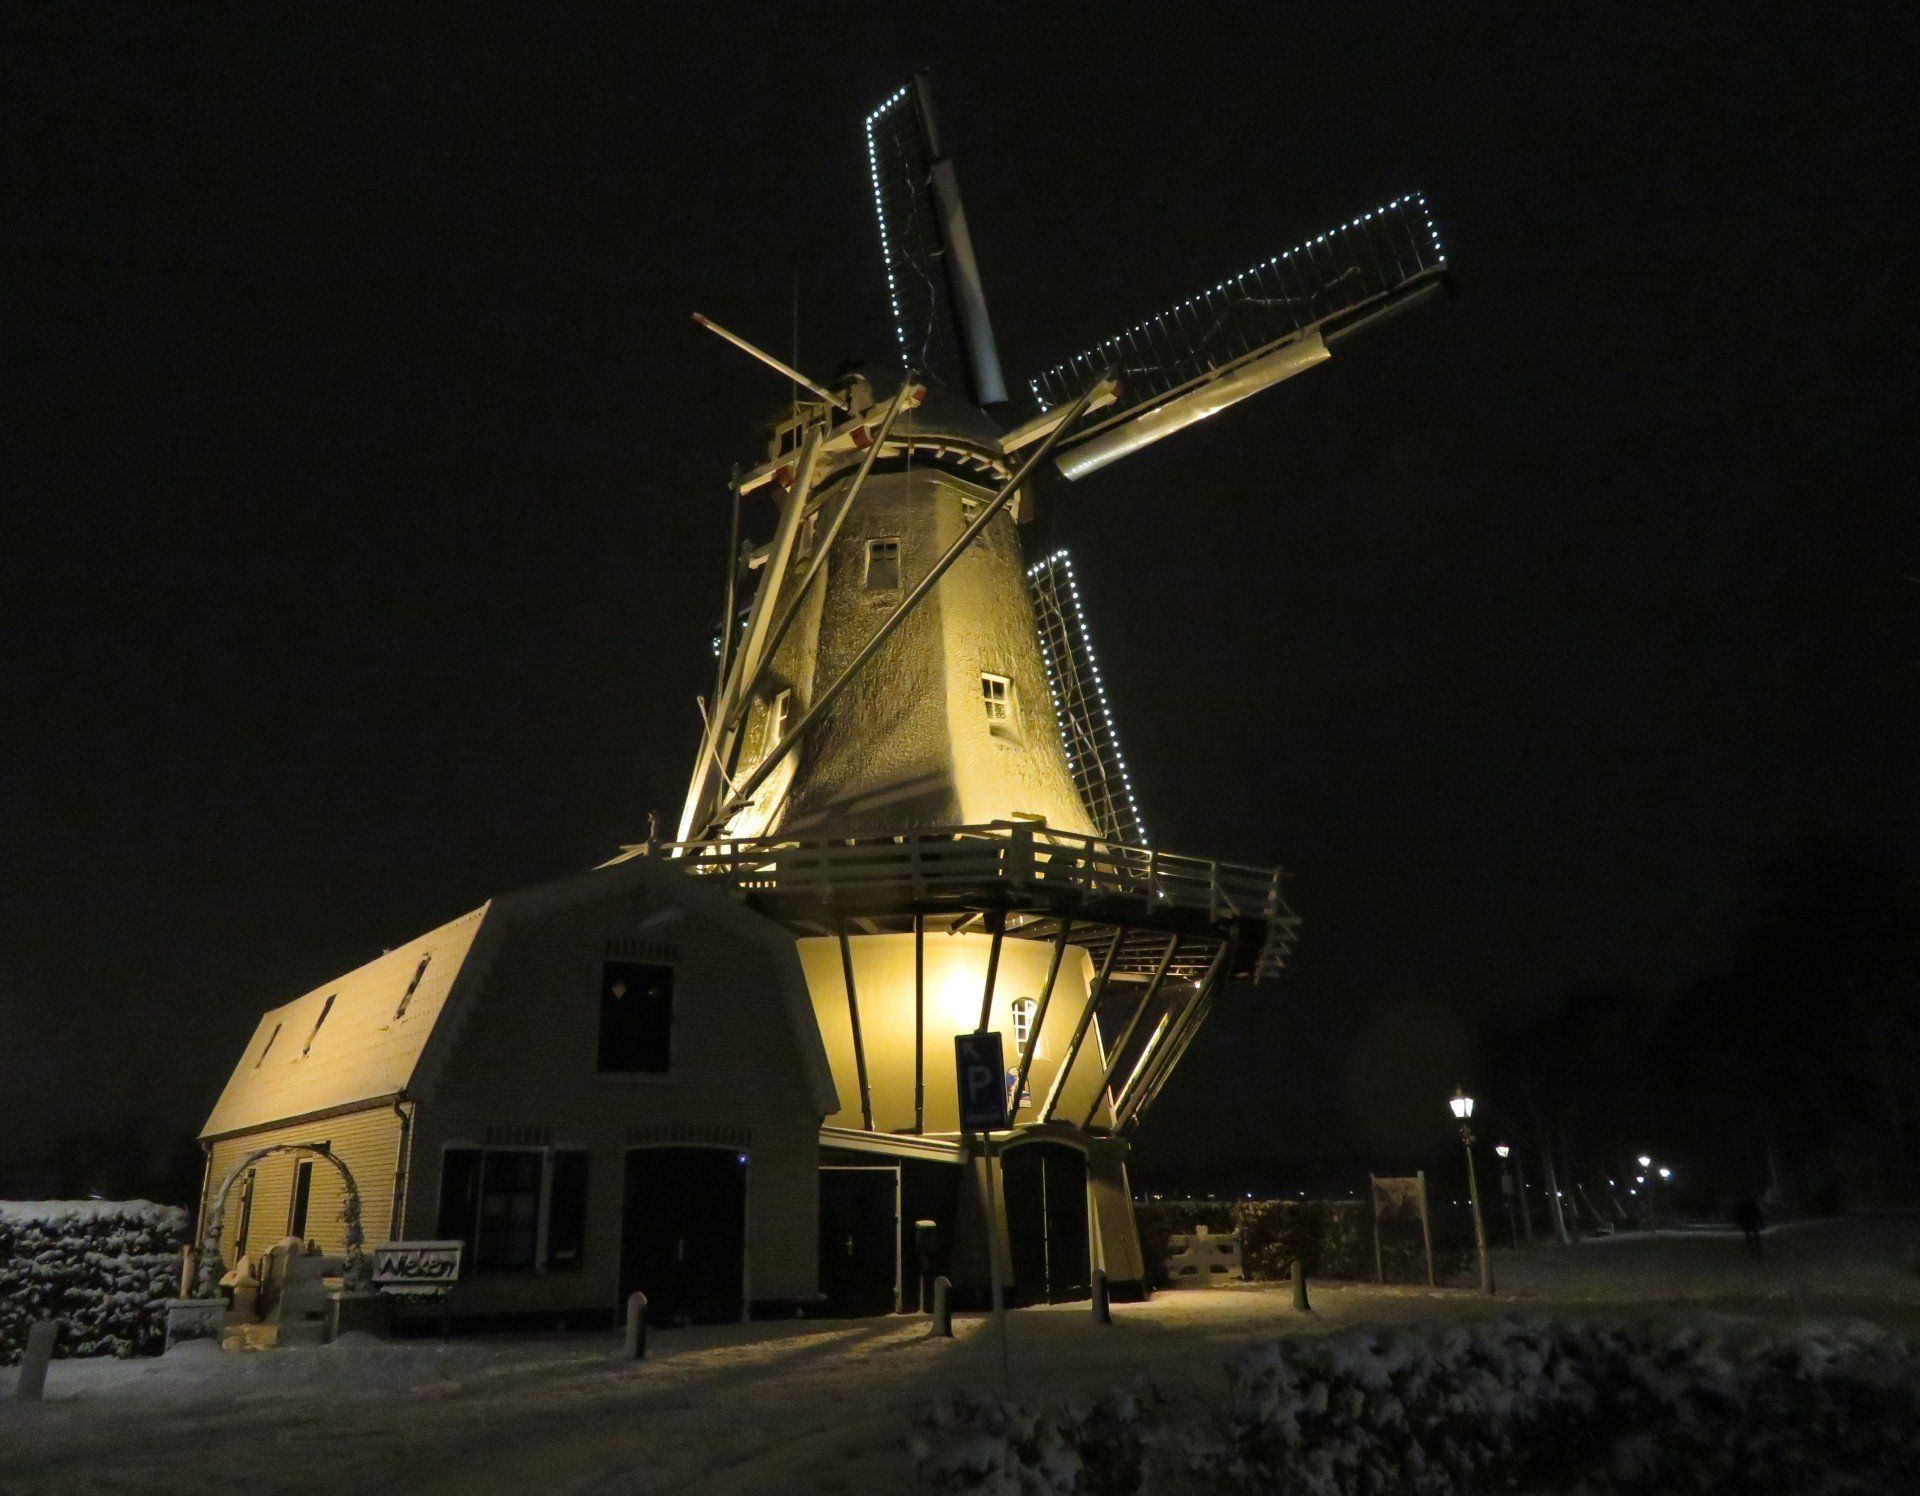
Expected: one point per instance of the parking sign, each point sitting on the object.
(981, 1075)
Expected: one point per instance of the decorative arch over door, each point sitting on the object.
(207, 1271)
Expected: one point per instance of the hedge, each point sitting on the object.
(98, 1266)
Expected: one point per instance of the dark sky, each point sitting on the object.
(367, 483)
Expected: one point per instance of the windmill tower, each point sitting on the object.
(909, 760)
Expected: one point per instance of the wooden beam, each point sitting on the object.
(859, 1048)
(997, 923)
(1126, 1034)
(1094, 994)
(1039, 1019)
(1173, 1024)
(1178, 1048)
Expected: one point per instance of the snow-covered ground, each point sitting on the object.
(814, 1406)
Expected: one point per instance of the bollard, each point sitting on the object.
(636, 1348)
(1102, 1302)
(942, 1308)
(1300, 1289)
(33, 1361)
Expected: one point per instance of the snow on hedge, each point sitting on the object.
(99, 1266)
(1541, 1407)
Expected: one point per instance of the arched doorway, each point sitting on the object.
(206, 1280)
(683, 1239)
(1044, 1185)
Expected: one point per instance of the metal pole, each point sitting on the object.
(907, 604)
(1479, 1226)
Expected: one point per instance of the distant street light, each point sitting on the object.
(1461, 1105)
(1508, 1190)
(1644, 1161)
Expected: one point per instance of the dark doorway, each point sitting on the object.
(683, 1240)
(859, 1238)
(1046, 1193)
(929, 1192)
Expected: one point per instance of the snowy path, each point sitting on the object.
(815, 1407)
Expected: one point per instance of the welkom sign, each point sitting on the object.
(416, 1268)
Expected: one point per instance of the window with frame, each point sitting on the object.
(412, 987)
(883, 563)
(636, 1018)
(774, 728)
(302, 1193)
(246, 1215)
(325, 1008)
(503, 1204)
(1023, 1010)
(1001, 704)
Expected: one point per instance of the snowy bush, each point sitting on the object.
(990, 1445)
(97, 1265)
(1537, 1407)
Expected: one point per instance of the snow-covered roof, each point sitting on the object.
(348, 1041)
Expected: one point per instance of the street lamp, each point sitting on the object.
(1504, 1152)
(1461, 1105)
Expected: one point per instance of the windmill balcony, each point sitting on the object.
(1033, 876)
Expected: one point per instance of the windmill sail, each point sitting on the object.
(1248, 332)
(933, 282)
(1080, 702)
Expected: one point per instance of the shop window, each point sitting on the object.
(508, 1235)
(636, 1018)
(494, 1201)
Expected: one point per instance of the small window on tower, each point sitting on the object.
(883, 563)
(1002, 706)
(1022, 1024)
(779, 713)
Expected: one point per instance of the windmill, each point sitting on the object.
(908, 757)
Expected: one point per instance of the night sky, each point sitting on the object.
(367, 510)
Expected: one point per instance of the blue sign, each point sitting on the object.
(982, 1077)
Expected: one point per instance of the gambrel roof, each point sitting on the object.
(366, 1049)
(376, 1034)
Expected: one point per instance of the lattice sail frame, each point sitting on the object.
(1080, 701)
(1326, 278)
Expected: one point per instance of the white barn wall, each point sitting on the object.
(523, 1065)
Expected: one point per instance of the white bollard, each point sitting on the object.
(943, 1308)
(636, 1346)
(33, 1362)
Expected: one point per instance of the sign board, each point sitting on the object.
(416, 1267)
(980, 1071)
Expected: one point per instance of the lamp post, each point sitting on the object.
(1504, 1152)
(1462, 1107)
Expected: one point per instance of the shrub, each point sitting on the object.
(99, 1266)
(1540, 1407)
